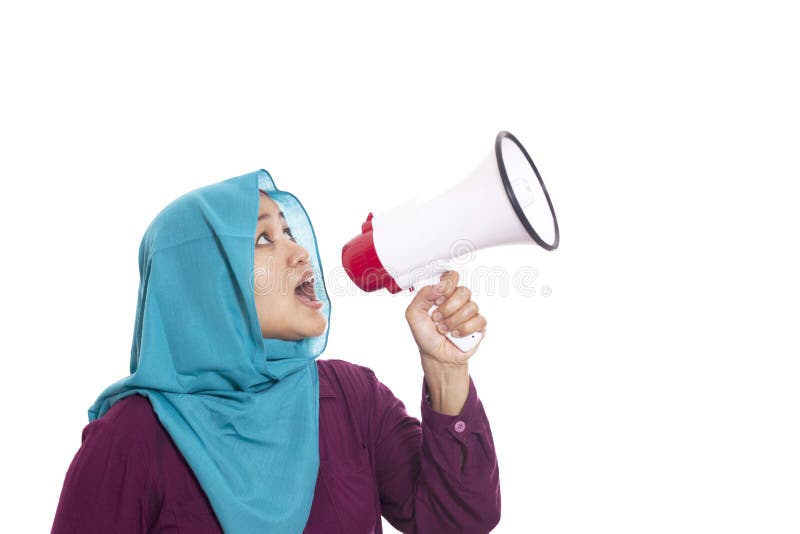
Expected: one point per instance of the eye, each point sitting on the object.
(264, 235)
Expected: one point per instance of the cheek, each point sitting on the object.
(269, 298)
(271, 302)
(275, 313)
(263, 279)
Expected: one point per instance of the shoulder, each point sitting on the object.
(116, 450)
(129, 423)
(132, 410)
(340, 377)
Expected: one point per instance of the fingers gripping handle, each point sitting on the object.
(464, 343)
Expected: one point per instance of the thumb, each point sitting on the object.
(425, 298)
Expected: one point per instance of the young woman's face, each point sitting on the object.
(280, 264)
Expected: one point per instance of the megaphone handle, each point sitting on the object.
(464, 343)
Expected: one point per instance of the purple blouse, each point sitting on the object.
(375, 459)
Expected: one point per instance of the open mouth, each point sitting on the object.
(305, 292)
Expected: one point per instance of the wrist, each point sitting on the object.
(438, 366)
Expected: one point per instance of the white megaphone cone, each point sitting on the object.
(502, 202)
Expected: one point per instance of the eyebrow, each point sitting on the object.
(268, 215)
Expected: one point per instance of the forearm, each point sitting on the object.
(448, 385)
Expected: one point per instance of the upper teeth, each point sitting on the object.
(309, 280)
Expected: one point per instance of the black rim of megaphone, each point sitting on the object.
(513, 198)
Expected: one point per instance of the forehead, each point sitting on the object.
(266, 204)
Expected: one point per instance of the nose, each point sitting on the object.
(299, 255)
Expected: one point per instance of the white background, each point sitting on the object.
(656, 389)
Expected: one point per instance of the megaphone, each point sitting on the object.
(503, 201)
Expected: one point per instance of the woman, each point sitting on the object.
(228, 422)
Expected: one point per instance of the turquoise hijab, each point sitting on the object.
(243, 410)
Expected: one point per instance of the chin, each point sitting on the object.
(302, 328)
(316, 330)
(303, 333)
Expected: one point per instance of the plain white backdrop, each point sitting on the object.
(655, 390)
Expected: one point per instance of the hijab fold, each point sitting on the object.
(243, 410)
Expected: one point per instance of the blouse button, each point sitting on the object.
(460, 426)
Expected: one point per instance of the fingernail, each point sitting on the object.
(443, 328)
(437, 316)
(456, 332)
(439, 300)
